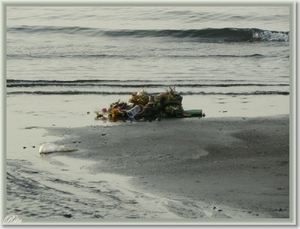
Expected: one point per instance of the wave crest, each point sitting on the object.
(200, 35)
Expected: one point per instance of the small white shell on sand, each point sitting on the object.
(50, 148)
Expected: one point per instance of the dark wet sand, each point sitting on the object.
(238, 162)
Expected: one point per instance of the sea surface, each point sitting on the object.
(62, 62)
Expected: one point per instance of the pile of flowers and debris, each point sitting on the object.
(146, 107)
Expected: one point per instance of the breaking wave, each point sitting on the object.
(201, 35)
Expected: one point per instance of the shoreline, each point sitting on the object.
(242, 163)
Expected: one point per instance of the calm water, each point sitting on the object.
(96, 50)
(54, 52)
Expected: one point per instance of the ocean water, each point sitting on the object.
(64, 61)
(99, 50)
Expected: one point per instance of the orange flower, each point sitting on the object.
(114, 111)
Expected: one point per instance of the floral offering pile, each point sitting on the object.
(149, 106)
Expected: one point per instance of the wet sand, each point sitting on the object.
(227, 163)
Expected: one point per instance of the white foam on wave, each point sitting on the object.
(270, 36)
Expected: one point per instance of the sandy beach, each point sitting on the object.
(237, 163)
